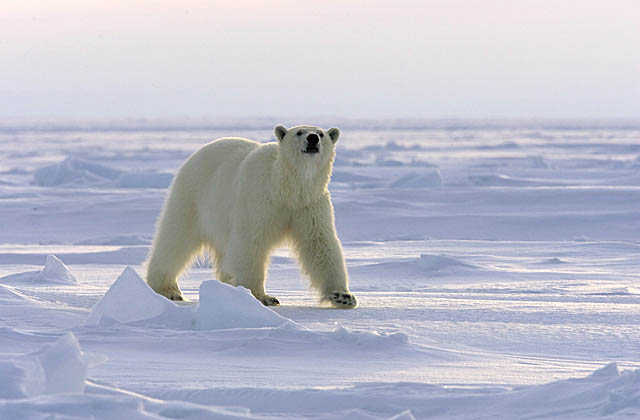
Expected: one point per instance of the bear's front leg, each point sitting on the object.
(316, 242)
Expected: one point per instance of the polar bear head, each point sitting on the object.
(304, 162)
(307, 143)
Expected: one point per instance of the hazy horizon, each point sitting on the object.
(76, 60)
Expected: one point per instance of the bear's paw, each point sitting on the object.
(269, 301)
(342, 300)
(172, 293)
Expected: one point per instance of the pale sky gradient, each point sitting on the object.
(396, 58)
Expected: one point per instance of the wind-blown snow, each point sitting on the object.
(496, 267)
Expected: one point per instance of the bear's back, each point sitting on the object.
(224, 155)
(226, 148)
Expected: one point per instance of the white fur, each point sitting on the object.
(239, 199)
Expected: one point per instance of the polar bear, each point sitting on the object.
(238, 199)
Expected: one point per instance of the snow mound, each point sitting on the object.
(131, 301)
(554, 261)
(53, 272)
(57, 368)
(405, 415)
(223, 306)
(74, 171)
(426, 179)
(65, 367)
(441, 262)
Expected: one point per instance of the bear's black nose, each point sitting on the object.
(313, 139)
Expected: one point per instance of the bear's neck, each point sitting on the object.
(300, 185)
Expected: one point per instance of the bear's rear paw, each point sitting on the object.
(172, 293)
(176, 296)
(342, 300)
(269, 301)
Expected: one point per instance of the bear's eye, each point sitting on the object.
(321, 134)
(299, 133)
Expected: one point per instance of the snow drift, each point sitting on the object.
(79, 172)
(131, 301)
(489, 263)
(53, 272)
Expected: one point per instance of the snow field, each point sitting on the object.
(496, 270)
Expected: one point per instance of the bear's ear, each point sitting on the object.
(280, 131)
(334, 133)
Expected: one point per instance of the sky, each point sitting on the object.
(73, 59)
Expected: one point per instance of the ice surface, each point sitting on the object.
(594, 396)
(144, 180)
(496, 268)
(132, 239)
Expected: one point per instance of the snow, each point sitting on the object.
(221, 306)
(57, 368)
(440, 262)
(76, 171)
(54, 271)
(128, 300)
(425, 179)
(496, 267)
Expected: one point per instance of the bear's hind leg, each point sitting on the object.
(170, 255)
